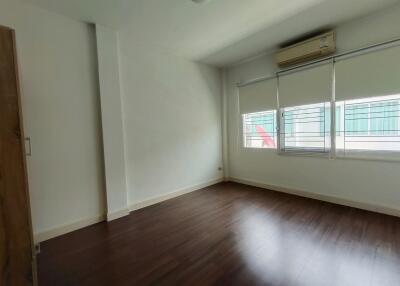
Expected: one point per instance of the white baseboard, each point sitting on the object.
(48, 234)
(321, 197)
(158, 199)
(118, 214)
(64, 229)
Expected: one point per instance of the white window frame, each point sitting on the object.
(300, 151)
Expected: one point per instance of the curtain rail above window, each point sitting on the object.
(355, 52)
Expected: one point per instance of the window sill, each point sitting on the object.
(305, 153)
(383, 156)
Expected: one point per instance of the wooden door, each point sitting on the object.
(16, 247)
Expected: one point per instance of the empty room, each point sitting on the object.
(199, 142)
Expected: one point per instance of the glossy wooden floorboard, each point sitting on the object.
(230, 234)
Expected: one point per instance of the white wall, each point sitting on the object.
(172, 119)
(112, 125)
(171, 116)
(61, 114)
(369, 182)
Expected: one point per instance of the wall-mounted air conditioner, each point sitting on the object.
(307, 50)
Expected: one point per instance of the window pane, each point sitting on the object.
(325, 126)
(384, 118)
(259, 129)
(306, 128)
(356, 122)
(289, 126)
(371, 124)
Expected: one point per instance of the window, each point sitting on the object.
(304, 101)
(370, 124)
(366, 90)
(259, 129)
(306, 128)
(257, 104)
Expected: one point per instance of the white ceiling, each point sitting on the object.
(218, 32)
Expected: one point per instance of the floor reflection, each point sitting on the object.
(282, 251)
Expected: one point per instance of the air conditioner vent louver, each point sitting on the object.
(307, 50)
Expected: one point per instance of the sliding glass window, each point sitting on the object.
(306, 128)
(370, 124)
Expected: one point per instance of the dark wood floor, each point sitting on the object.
(230, 234)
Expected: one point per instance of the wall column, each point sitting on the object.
(112, 124)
